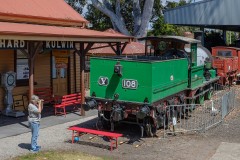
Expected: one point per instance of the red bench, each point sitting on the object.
(65, 101)
(113, 137)
(45, 93)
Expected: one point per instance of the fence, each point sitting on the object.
(197, 117)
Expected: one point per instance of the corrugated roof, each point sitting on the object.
(40, 9)
(132, 48)
(220, 14)
(36, 31)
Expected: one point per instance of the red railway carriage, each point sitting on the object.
(227, 62)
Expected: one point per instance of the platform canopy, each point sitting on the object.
(51, 20)
(216, 14)
(36, 32)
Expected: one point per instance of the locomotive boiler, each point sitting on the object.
(137, 89)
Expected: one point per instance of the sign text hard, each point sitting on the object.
(12, 44)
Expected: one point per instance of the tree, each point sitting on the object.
(127, 17)
(141, 14)
(159, 27)
(77, 5)
(98, 20)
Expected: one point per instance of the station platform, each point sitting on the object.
(12, 126)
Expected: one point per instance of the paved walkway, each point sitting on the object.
(15, 137)
(10, 126)
(51, 137)
(227, 151)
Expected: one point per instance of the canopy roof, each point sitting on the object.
(219, 14)
(48, 20)
(55, 12)
(56, 33)
(180, 39)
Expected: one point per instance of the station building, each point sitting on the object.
(45, 43)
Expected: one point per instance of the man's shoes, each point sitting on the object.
(38, 147)
(34, 150)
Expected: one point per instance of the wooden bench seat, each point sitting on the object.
(65, 101)
(46, 94)
(113, 137)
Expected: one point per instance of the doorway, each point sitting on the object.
(59, 75)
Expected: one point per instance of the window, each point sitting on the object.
(22, 69)
(225, 53)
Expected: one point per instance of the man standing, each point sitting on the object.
(34, 115)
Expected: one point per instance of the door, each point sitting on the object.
(59, 77)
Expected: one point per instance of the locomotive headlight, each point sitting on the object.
(118, 69)
(90, 105)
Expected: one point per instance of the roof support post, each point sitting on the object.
(119, 49)
(33, 49)
(123, 47)
(82, 68)
(82, 53)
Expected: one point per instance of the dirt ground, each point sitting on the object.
(195, 146)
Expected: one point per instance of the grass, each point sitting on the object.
(59, 155)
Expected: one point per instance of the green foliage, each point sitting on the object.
(98, 20)
(77, 5)
(159, 27)
(102, 22)
(231, 38)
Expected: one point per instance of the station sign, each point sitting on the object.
(12, 44)
(58, 45)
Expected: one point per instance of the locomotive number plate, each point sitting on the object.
(129, 83)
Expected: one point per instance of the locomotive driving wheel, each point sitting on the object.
(150, 128)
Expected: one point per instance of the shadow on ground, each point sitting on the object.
(131, 134)
(25, 146)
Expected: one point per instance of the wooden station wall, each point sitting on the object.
(42, 73)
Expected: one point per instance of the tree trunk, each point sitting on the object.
(137, 15)
(146, 16)
(141, 21)
(117, 21)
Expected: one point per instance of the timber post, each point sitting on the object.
(33, 49)
(82, 53)
(82, 67)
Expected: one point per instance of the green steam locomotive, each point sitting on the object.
(137, 89)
